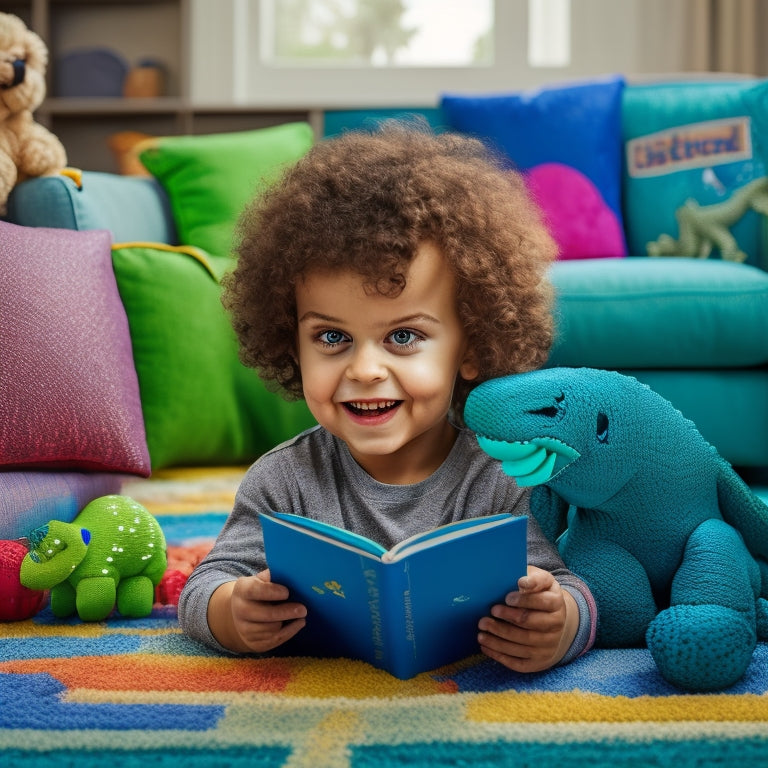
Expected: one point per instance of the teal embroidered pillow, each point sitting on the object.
(695, 169)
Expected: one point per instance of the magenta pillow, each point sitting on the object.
(70, 394)
(581, 224)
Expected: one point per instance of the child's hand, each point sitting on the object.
(534, 628)
(250, 615)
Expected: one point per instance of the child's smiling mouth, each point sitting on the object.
(370, 409)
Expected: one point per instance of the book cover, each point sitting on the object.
(407, 610)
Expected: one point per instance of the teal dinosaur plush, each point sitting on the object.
(112, 552)
(672, 543)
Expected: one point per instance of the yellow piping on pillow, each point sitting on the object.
(189, 250)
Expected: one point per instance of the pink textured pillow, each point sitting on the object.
(582, 225)
(69, 394)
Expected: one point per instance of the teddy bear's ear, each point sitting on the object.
(36, 50)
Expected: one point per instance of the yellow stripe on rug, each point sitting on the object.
(592, 707)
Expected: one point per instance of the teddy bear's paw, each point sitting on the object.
(702, 647)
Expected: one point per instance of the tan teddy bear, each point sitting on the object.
(26, 147)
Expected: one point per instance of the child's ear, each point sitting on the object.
(469, 369)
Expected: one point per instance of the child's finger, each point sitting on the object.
(260, 588)
(536, 580)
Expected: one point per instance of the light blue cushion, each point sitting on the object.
(132, 208)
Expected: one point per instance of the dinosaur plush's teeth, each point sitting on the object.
(530, 463)
(499, 449)
(539, 475)
(524, 466)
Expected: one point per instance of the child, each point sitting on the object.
(387, 274)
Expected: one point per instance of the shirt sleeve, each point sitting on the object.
(238, 551)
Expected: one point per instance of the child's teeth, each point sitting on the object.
(373, 406)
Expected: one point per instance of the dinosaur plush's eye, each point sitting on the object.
(549, 411)
(602, 428)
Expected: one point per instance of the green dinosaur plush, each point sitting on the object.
(643, 509)
(112, 552)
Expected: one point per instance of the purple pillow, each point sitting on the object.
(30, 498)
(70, 394)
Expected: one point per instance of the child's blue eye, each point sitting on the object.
(403, 337)
(332, 337)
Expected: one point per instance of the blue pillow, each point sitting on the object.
(691, 145)
(574, 131)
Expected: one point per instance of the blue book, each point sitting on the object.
(406, 610)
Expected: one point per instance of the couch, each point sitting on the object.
(694, 329)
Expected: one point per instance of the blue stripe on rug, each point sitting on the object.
(37, 702)
(60, 647)
(616, 672)
(176, 528)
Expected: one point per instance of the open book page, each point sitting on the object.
(443, 533)
(331, 533)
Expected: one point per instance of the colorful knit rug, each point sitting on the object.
(139, 693)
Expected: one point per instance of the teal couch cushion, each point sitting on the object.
(336, 121)
(132, 208)
(660, 313)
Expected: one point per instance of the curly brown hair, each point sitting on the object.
(365, 201)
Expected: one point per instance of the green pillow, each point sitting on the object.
(210, 179)
(201, 405)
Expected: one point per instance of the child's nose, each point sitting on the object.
(366, 364)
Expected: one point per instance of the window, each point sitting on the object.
(549, 33)
(329, 54)
(377, 33)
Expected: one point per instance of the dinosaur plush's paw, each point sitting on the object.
(701, 647)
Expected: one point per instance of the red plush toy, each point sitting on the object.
(17, 602)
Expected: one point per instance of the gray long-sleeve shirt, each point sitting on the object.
(314, 475)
